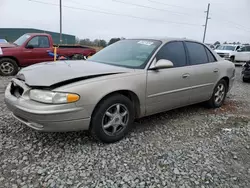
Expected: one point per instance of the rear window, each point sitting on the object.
(197, 53)
(210, 56)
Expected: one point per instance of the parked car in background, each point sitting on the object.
(3, 41)
(246, 72)
(34, 48)
(126, 80)
(225, 51)
(211, 46)
(241, 55)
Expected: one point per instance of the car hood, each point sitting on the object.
(53, 73)
(224, 51)
(7, 45)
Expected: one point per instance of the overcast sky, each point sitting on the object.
(230, 19)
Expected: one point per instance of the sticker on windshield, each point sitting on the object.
(1, 52)
(148, 43)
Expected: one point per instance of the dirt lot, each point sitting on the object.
(188, 147)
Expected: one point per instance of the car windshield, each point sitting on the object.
(127, 53)
(226, 48)
(21, 40)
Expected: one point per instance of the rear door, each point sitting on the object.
(36, 50)
(169, 88)
(205, 71)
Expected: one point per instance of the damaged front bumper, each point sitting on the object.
(44, 117)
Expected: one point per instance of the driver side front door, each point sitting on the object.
(169, 88)
(39, 51)
(243, 54)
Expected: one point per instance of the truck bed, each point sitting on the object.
(70, 46)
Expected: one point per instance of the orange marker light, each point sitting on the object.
(72, 98)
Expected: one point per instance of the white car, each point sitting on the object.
(3, 41)
(241, 55)
(226, 51)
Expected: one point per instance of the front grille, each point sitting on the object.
(16, 90)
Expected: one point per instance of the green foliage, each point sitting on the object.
(113, 40)
(96, 42)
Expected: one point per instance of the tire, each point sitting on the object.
(8, 67)
(244, 79)
(212, 102)
(106, 114)
(232, 58)
(77, 57)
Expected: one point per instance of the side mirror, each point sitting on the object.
(30, 46)
(162, 64)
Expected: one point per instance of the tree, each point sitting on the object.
(103, 43)
(113, 40)
(216, 43)
(96, 42)
(77, 40)
(225, 42)
(85, 42)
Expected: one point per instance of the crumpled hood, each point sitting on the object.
(51, 73)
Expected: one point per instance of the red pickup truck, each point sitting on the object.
(34, 48)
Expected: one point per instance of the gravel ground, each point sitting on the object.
(188, 147)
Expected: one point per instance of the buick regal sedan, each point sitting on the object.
(127, 80)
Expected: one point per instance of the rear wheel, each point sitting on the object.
(232, 58)
(8, 67)
(77, 57)
(219, 95)
(112, 119)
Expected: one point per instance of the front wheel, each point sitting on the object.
(112, 119)
(8, 67)
(219, 95)
(232, 59)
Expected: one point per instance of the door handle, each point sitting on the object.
(185, 75)
(216, 70)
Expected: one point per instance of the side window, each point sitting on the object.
(39, 42)
(248, 48)
(243, 49)
(173, 51)
(197, 53)
(210, 56)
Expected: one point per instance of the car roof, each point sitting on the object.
(34, 34)
(164, 40)
(230, 45)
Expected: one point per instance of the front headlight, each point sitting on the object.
(53, 97)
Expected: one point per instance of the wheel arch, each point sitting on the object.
(227, 81)
(11, 57)
(127, 93)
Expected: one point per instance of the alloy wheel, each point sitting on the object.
(219, 94)
(115, 119)
(7, 67)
